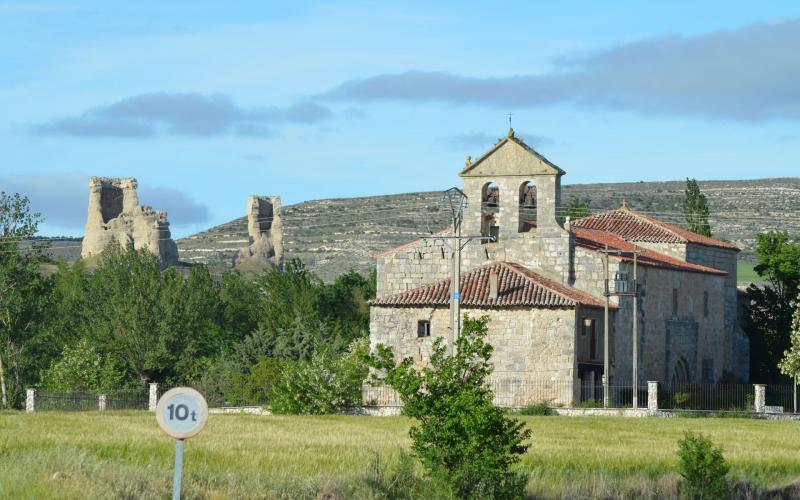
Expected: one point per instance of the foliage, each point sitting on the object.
(695, 208)
(323, 384)
(22, 295)
(462, 438)
(590, 403)
(768, 320)
(790, 364)
(702, 467)
(82, 368)
(575, 209)
(541, 409)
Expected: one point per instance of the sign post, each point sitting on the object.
(181, 413)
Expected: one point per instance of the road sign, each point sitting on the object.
(181, 413)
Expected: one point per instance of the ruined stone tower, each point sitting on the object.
(265, 231)
(115, 214)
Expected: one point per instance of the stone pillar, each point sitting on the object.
(759, 402)
(652, 395)
(153, 401)
(30, 400)
(101, 402)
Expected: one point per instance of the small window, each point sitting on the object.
(705, 304)
(590, 329)
(674, 302)
(423, 328)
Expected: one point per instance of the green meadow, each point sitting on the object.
(125, 455)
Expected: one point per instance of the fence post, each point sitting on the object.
(101, 402)
(760, 397)
(153, 401)
(652, 395)
(30, 400)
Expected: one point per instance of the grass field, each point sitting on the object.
(745, 272)
(125, 455)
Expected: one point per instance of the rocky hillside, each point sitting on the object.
(332, 236)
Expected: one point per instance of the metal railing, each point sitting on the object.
(91, 400)
(709, 397)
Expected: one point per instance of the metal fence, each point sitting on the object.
(92, 401)
(730, 397)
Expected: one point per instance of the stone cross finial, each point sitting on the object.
(624, 205)
(510, 132)
(469, 160)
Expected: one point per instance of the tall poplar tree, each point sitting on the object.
(695, 208)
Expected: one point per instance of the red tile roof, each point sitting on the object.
(635, 226)
(516, 286)
(597, 240)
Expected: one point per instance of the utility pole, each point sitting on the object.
(457, 201)
(621, 290)
(606, 363)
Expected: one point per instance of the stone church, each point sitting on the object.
(541, 279)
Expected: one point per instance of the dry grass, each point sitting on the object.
(124, 455)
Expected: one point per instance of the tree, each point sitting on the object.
(695, 208)
(23, 291)
(702, 467)
(575, 209)
(768, 319)
(82, 368)
(790, 364)
(462, 437)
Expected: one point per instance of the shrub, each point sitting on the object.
(702, 467)
(540, 409)
(591, 403)
(322, 385)
(462, 439)
(82, 368)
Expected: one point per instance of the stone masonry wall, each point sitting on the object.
(531, 346)
(737, 354)
(265, 231)
(126, 222)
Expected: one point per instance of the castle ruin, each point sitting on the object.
(115, 214)
(265, 230)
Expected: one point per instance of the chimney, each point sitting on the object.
(493, 284)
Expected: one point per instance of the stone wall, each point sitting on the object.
(265, 232)
(114, 214)
(737, 353)
(531, 346)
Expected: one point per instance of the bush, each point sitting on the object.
(82, 368)
(591, 403)
(462, 439)
(322, 385)
(702, 467)
(540, 409)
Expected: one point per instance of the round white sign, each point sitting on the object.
(182, 412)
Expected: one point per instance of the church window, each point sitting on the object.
(680, 374)
(705, 304)
(674, 302)
(590, 331)
(490, 209)
(527, 207)
(423, 328)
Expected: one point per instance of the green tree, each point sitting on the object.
(23, 293)
(575, 209)
(695, 208)
(790, 364)
(323, 384)
(462, 438)
(702, 467)
(82, 368)
(768, 319)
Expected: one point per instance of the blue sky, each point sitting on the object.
(207, 102)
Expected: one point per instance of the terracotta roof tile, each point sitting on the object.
(516, 286)
(634, 226)
(597, 240)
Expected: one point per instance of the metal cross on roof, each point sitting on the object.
(510, 114)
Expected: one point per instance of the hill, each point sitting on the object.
(335, 235)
